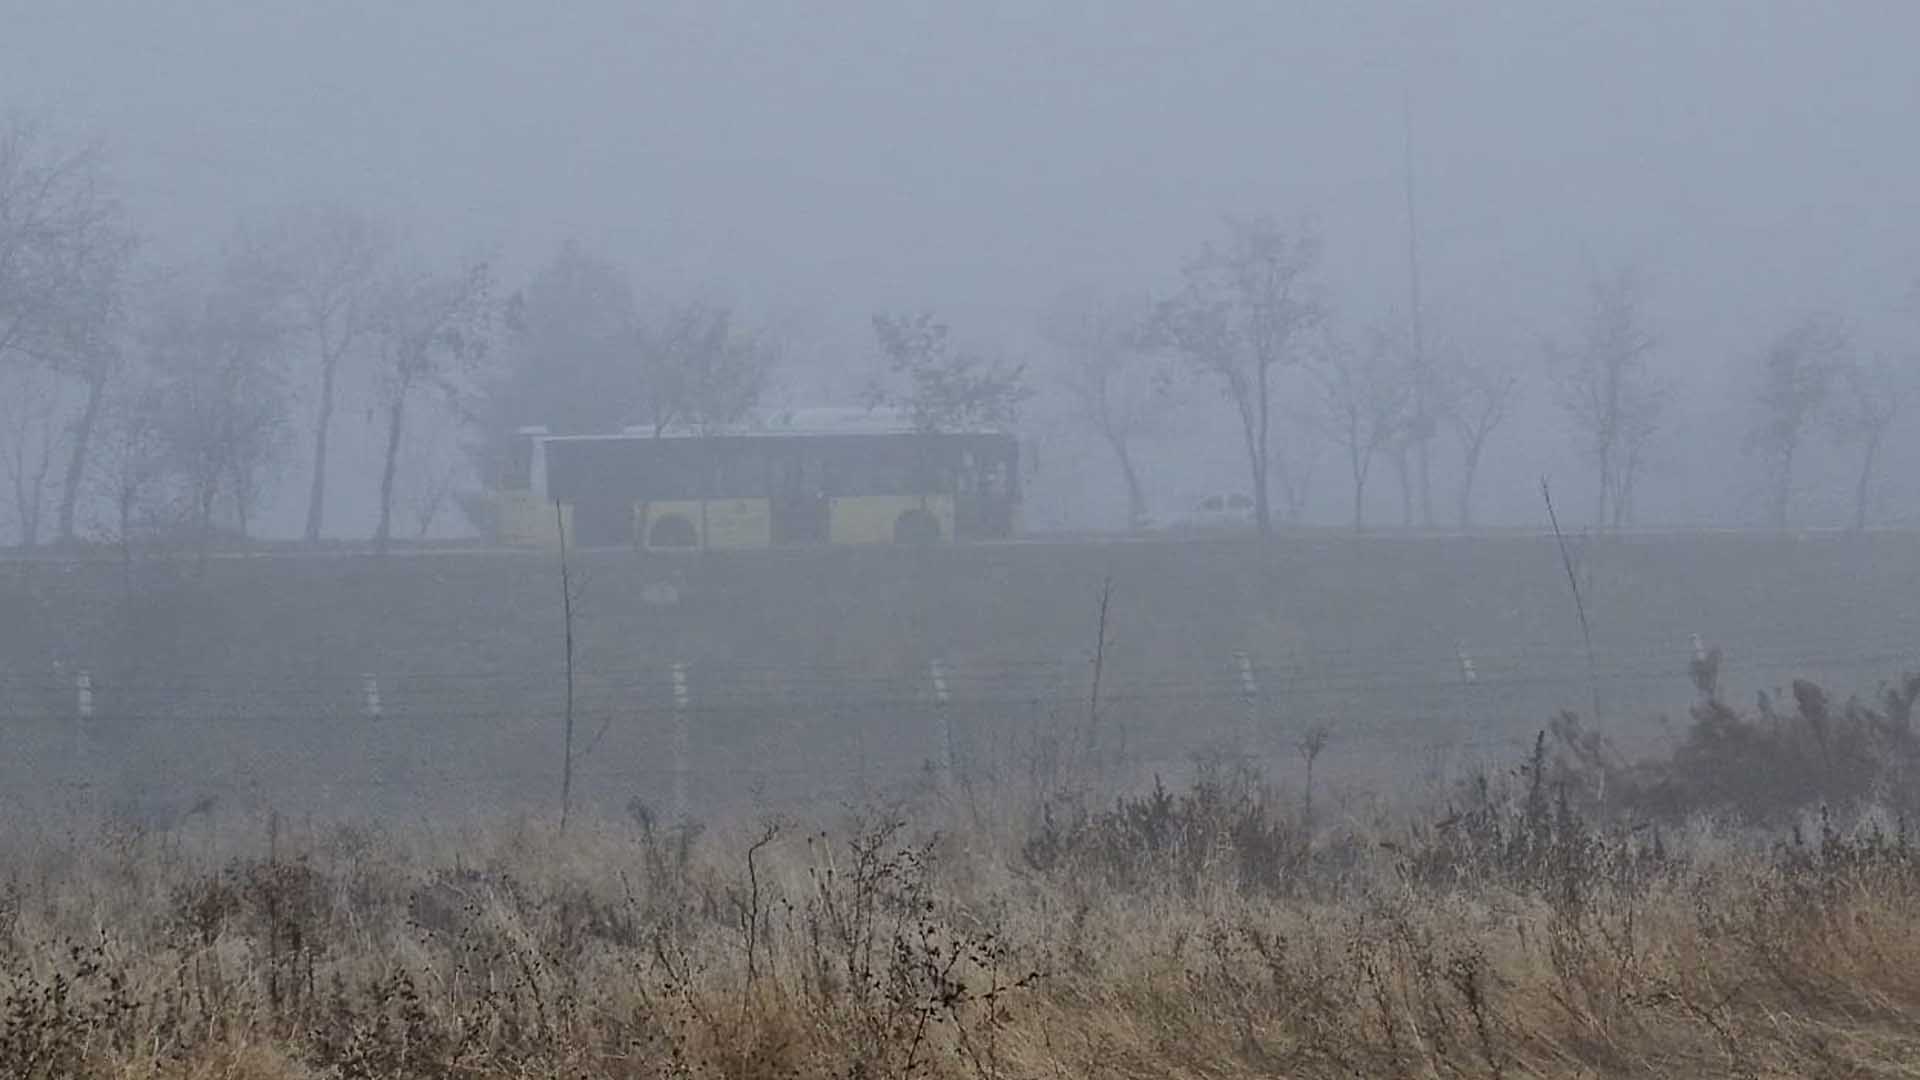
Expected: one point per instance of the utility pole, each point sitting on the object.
(1423, 420)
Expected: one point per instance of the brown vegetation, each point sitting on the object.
(1534, 926)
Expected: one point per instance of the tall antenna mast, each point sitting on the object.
(1413, 226)
(1423, 379)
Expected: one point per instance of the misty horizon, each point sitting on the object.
(814, 168)
(994, 539)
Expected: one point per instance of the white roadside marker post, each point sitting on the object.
(943, 748)
(682, 738)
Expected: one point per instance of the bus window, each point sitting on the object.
(975, 474)
(674, 473)
(871, 473)
(995, 479)
(740, 472)
(798, 474)
(812, 469)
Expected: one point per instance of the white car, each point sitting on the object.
(1214, 513)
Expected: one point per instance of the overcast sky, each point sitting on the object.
(1755, 158)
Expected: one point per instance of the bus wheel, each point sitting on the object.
(916, 527)
(672, 531)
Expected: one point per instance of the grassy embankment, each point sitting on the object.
(1575, 916)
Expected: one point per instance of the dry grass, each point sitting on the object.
(1210, 932)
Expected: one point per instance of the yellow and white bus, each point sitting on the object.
(819, 476)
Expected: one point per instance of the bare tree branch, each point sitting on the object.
(1797, 370)
(1364, 400)
(700, 368)
(1241, 316)
(1478, 395)
(64, 246)
(1872, 394)
(942, 388)
(1609, 393)
(218, 355)
(431, 330)
(1119, 386)
(324, 260)
(29, 442)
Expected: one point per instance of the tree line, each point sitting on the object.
(1251, 320)
(138, 400)
(168, 402)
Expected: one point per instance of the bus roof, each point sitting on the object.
(786, 422)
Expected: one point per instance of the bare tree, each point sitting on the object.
(1409, 449)
(427, 487)
(220, 396)
(29, 443)
(54, 209)
(1479, 395)
(1118, 386)
(701, 368)
(325, 259)
(86, 345)
(132, 470)
(430, 329)
(569, 358)
(1239, 319)
(1397, 450)
(1296, 457)
(63, 250)
(1870, 398)
(1425, 387)
(1608, 391)
(940, 387)
(580, 355)
(1363, 403)
(1796, 372)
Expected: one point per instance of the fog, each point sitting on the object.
(1661, 261)
(991, 538)
(819, 165)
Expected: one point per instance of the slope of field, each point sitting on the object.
(819, 675)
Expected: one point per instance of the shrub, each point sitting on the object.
(1228, 823)
(1764, 766)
